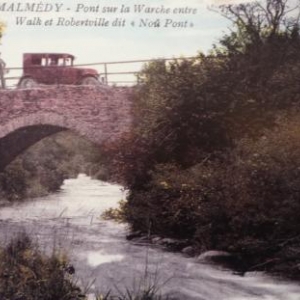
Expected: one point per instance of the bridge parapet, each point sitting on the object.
(97, 112)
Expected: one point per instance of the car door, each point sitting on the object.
(48, 72)
(68, 72)
(69, 75)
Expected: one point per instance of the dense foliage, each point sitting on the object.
(2, 28)
(213, 156)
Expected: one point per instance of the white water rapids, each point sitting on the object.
(104, 260)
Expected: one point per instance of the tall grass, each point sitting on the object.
(28, 274)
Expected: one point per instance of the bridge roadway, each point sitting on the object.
(98, 113)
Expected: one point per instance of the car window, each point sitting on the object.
(61, 62)
(64, 61)
(44, 61)
(53, 62)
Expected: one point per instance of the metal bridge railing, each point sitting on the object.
(110, 72)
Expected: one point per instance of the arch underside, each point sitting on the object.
(20, 133)
(19, 140)
(55, 119)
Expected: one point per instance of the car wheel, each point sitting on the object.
(90, 81)
(28, 83)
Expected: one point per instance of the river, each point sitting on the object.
(70, 221)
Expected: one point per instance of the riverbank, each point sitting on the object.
(27, 273)
(285, 266)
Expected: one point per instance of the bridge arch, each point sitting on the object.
(53, 120)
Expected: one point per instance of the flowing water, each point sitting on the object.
(104, 260)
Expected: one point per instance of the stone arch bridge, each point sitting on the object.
(98, 113)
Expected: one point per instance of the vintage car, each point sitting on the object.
(54, 68)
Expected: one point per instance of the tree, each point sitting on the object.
(2, 63)
(2, 28)
(264, 37)
(258, 23)
(263, 51)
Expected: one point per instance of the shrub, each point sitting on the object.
(116, 214)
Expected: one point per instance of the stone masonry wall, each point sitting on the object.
(98, 113)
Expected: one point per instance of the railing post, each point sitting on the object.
(2, 76)
(105, 73)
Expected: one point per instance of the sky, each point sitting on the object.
(197, 31)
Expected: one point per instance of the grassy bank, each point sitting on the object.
(26, 273)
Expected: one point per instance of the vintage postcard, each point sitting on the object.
(149, 150)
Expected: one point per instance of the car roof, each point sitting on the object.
(54, 55)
